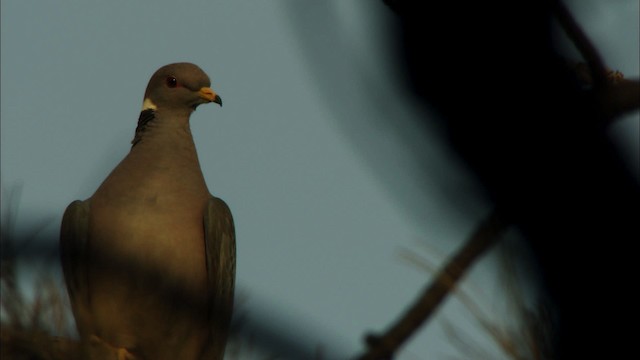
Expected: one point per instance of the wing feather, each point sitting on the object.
(220, 245)
(73, 257)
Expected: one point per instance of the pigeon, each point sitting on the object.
(149, 258)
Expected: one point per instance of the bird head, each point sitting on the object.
(179, 87)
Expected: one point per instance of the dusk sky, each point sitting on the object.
(325, 194)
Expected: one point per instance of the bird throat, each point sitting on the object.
(146, 116)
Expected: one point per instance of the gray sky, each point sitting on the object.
(322, 205)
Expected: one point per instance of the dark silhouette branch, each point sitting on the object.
(540, 149)
(36, 345)
(620, 98)
(582, 43)
(617, 96)
(385, 345)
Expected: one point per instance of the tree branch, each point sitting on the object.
(617, 97)
(620, 98)
(582, 43)
(384, 346)
(17, 344)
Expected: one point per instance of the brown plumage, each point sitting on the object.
(149, 259)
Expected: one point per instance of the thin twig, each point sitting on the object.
(616, 94)
(583, 44)
(385, 345)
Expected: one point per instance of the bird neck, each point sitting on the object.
(163, 141)
(164, 136)
(163, 126)
(163, 160)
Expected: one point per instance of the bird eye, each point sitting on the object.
(172, 82)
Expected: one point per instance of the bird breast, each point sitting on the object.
(151, 211)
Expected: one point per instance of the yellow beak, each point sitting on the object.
(210, 96)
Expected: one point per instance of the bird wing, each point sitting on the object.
(220, 247)
(73, 257)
